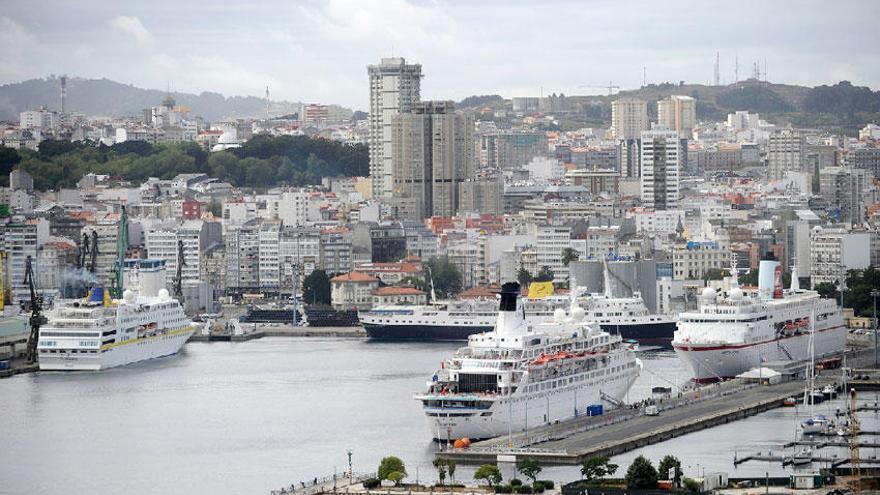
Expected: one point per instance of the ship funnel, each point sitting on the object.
(511, 317)
(769, 279)
(509, 294)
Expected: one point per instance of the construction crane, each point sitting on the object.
(178, 276)
(121, 249)
(37, 319)
(83, 251)
(611, 87)
(855, 460)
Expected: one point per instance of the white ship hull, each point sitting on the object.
(520, 413)
(712, 362)
(119, 354)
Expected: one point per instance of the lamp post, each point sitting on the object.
(874, 294)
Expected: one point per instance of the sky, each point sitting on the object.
(317, 51)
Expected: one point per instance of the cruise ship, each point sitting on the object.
(733, 333)
(457, 320)
(522, 375)
(98, 332)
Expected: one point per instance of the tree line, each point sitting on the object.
(263, 161)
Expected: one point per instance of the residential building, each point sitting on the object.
(785, 152)
(834, 250)
(660, 160)
(629, 118)
(352, 290)
(407, 296)
(678, 113)
(550, 242)
(692, 260)
(394, 88)
(843, 189)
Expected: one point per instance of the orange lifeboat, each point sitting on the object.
(462, 443)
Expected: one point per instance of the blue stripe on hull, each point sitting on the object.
(648, 333)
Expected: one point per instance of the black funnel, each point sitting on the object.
(509, 293)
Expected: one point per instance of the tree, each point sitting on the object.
(316, 288)
(641, 474)
(569, 255)
(666, 464)
(447, 278)
(524, 277)
(545, 274)
(594, 468)
(440, 464)
(714, 274)
(530, 468)
(450, 466)
(216, 208)
(390, 468)
(9, 158)
(827, 290)
(488, 473)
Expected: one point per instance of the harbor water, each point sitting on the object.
(254, 416)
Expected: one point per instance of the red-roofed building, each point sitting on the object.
(392, 273)
(353, 290)
(384, 296)
(191, 209)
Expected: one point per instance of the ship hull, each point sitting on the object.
(519, 414)
(646, 333)
(119, 354)
(711, 363)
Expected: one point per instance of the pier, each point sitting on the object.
(252, 331)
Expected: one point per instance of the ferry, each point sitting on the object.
(733, 333)
(99, 332)
(522, 374)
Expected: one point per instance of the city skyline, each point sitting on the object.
(325, 46)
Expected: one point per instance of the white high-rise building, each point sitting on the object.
(844, 190)
(678, 113)
(629, 117)
(394, 87)
(785, 152)
(550, 242)
(660, 160)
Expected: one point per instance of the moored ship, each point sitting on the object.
(522, 374)
(100, 332)
(732, 333)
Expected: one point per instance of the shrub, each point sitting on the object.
(548, 484)
(538, 486)
(503, 489)
(523, 489)
(371, 483)
(691, 485)
(516, 482)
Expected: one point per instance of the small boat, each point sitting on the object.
(816, 424)
(829, 392)
(632, 344)
(789, 402)
(816, 396)
(802, 457)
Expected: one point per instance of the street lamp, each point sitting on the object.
(874, 294)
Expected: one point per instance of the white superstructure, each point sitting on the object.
(100, 332)
(733, 333)
(523, 375)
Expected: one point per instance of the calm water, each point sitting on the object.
(245, 418)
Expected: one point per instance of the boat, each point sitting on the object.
(732, 333)
(802, 457)
(789, 402)
(100, 332)
(522, 374)
(816, 424)
(459, 319)
(829, 392)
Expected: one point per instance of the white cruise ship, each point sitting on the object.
(733, 333)
(523, 375)
(99, 333)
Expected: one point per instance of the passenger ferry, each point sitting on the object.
(99, 332)
(522, 374)
(733, 333)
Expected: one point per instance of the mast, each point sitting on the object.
(606, 278)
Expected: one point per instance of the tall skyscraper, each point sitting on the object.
(661, 158)
(785, 152)
(432, 155)
(678, 113)
(629, 117)
(394, 88)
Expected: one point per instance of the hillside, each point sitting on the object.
(110, 98)
(840, 108)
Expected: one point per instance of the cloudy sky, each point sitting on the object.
(317, 51)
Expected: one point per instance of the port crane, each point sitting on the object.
(178, 275)
(121, 248)
(37, 319)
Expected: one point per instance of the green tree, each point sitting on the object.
(691, 485)
(668, 463)
(215, 207)
(594, 468)
(447, 278)
(530, 468)
(450, 466)
(545, 274)
(9, 158)
(569, 255)
(715, 274)
(828, 290)
(389, 466)
(524, 277)
(488, 473)
(224, 166)
(316, 288)
(641, 474)
(440, 464)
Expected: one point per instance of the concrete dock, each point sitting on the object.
(260, 330)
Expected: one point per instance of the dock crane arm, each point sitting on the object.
(37, 319)
(178, 276)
